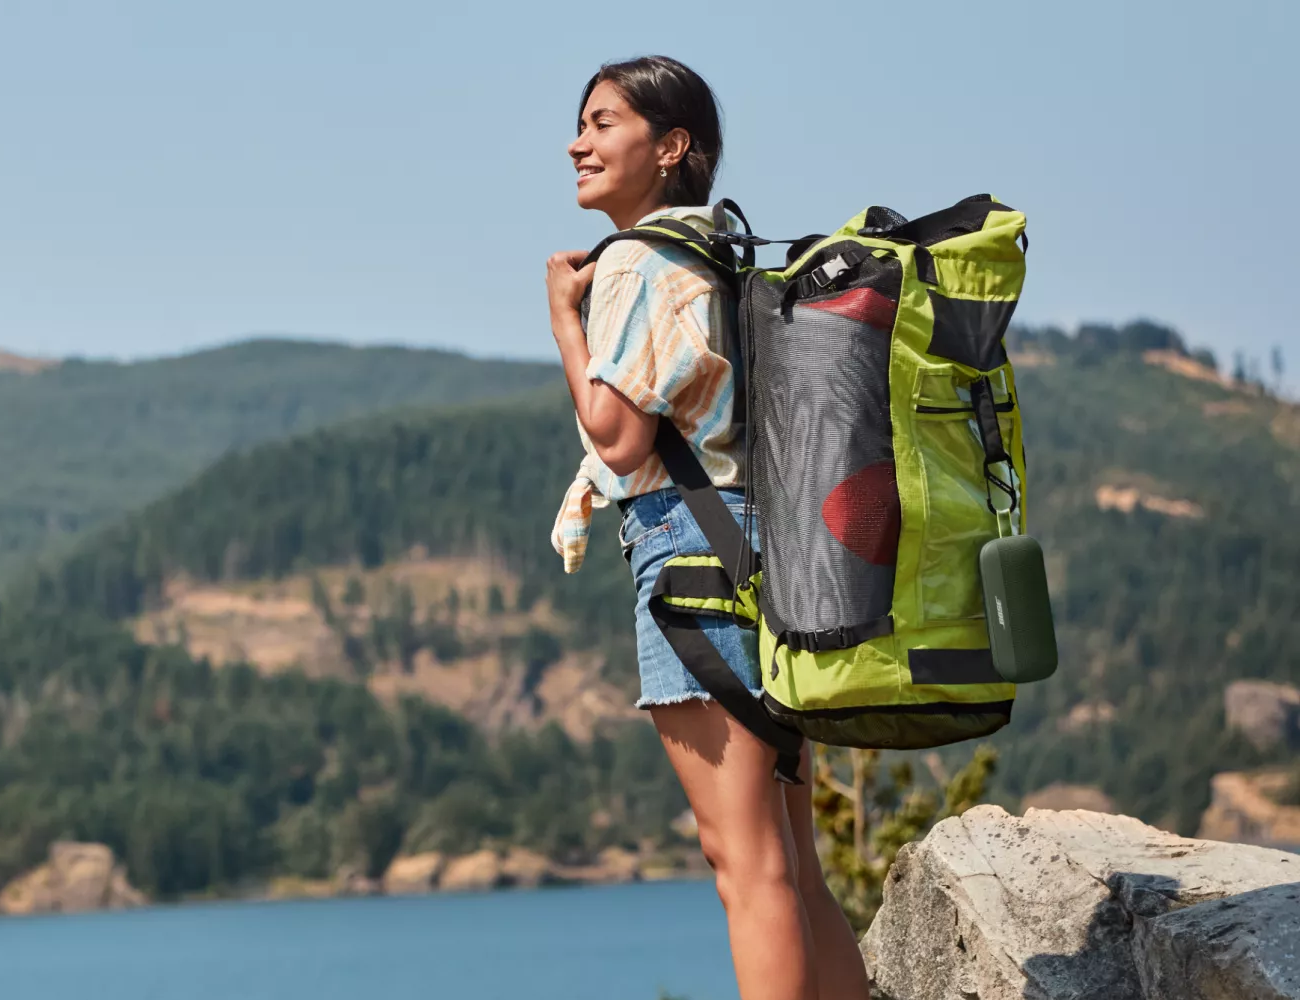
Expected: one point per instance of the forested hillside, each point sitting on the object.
(1163, 495)
(85, 441)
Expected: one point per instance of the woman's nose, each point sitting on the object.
(579, 148)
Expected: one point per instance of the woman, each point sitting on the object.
(660, 345)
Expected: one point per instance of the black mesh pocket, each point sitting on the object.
(823, 458)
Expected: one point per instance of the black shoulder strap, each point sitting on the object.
(707, 665)
(674, 231)
(701, 498)
(682, 630)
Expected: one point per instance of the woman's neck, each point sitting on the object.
(628, 219)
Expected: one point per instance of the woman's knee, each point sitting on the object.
(754, 863)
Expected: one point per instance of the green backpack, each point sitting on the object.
(884, 452)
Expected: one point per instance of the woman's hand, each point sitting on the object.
(567, 281)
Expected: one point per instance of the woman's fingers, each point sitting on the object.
(566, 280)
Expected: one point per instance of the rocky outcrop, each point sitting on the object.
(76, 878)
(1267, 714)
(472, 872)
(613, 864)
(415, 873)
(527, 869)
(1084, 906)
(1244, 808)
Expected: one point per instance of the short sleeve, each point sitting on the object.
(641, 343)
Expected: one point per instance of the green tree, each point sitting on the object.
(866, 819)
(354, 593)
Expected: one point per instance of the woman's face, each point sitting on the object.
(618, 160)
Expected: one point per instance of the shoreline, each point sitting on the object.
(85, 878)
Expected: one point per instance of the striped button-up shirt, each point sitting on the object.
(661, 330)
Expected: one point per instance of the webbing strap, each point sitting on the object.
(821, 640)
(707, 665)
(681, 235)
(821, 278)
(967, 216)
(986, 421)
(720, 211)
(682, 630)
(697, 491)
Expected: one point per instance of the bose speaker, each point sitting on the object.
(1018, 610)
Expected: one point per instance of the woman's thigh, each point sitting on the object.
(727, 775)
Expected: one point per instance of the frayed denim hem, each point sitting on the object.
(681, 699)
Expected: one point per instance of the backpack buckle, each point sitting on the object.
(736, 239)
(819, 640)
(828, 272)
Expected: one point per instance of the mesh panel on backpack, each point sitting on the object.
(823, 469)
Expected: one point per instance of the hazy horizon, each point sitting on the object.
(183, 177)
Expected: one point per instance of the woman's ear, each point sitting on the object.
(673, 147)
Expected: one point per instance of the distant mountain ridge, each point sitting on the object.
(84, 441)
(1163, 494)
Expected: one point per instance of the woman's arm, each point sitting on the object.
(622, 434)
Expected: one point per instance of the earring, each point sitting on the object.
(663, 171)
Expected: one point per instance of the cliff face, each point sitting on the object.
(1244, 808)
(1084, 906)
(77, 877)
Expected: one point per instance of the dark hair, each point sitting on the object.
(670, 95)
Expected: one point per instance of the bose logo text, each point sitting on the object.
(1001, 619)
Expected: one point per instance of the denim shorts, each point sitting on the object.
(657, 526)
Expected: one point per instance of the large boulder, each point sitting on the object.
(472, 872)
(76, 878)
(412, 874)
(1084, 906)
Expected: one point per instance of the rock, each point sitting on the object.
(296, 887)
(528, 869)
(1062, 796)
(1077, 905)
(1267, 714)
(76, 878)
(612, 865)
(1240, 948)
(414, 873)
(1243, 809)
(477, 871)
(350, 882)
(618, 865)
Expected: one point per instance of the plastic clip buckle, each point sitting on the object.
(828, 272)
(736, 239)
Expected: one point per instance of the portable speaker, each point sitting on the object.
(1018, 609)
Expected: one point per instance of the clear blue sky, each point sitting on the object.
(176, 175)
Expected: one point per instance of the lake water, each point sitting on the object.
(624, 942)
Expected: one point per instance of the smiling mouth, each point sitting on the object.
(586, 173)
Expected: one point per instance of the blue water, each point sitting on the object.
(604, 943)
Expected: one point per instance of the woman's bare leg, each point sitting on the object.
(745, 834)
(841, 972)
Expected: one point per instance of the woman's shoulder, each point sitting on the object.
(662, 265)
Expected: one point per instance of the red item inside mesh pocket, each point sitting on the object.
(866, 305)
(863, 513)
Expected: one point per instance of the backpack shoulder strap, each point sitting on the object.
(669, 230)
